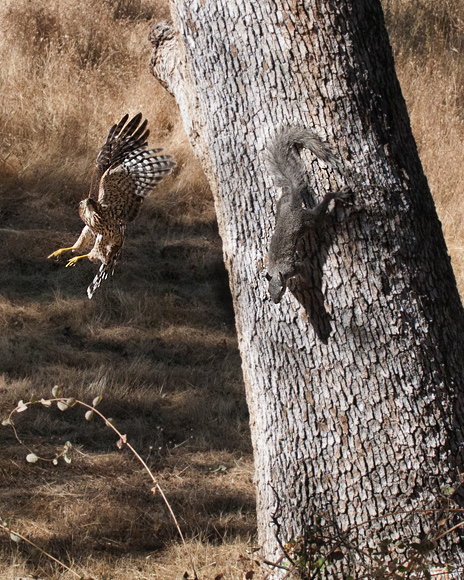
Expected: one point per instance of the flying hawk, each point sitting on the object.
(126, 172)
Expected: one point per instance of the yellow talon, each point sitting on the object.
(58, 253)
(73, 261)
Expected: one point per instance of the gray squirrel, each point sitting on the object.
(292, 220)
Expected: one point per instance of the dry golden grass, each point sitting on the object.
(158, 342)
(428, 41)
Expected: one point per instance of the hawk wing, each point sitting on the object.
(122, 139)
(125, 185)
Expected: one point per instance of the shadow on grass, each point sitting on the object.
(158, 342)
(104, 505)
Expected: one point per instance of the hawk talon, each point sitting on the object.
(58, 253)
(73, 261)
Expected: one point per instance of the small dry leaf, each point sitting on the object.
(96, 401)
(21, 407)
(219, 576)
(122, 441)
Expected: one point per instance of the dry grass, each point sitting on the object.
(428, 41)
(159, 341)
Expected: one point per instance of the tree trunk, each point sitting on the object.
(355, 379)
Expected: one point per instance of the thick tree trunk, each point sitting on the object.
(355, 380)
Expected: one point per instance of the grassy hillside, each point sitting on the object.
(158, 342)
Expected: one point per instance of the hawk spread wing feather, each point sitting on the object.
(125, 173)
(123, 187)
(120, 142)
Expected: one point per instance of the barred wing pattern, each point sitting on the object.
(120, 141)
(124, 187)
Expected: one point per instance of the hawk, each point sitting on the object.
(126, 172)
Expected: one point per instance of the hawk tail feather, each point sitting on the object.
(103, 273)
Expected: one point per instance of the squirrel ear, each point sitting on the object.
(268, 277)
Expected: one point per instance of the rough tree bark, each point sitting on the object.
(355, 380)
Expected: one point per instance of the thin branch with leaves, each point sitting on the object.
(65, 403)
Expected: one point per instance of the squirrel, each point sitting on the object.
(292, 220)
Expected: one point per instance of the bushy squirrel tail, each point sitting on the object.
(284, 161)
